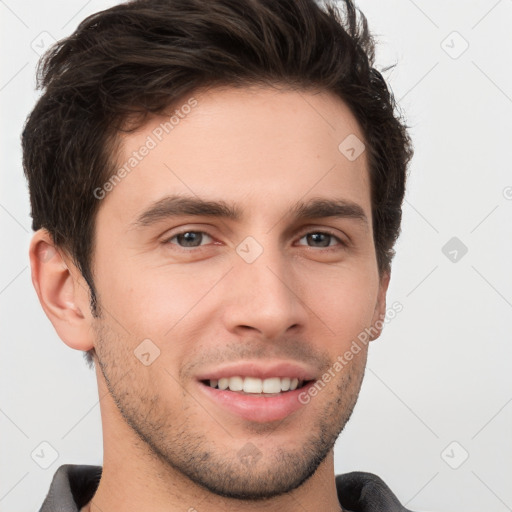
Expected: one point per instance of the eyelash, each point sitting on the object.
(341, 243)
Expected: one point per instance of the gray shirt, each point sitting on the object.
(73, 486)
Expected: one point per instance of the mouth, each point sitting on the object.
(256, 401)
(257, 392)
(253, 386)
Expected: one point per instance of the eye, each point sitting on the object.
(193, 239)
(321, 239)
(190, 238)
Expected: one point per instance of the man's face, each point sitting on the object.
(267, 297)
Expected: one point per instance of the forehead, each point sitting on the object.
(253, 146)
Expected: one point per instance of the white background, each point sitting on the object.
(441, 372)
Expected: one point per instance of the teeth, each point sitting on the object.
(236, 384)
(253, 385)
(272, 385)
(285, 384)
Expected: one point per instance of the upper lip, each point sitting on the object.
(261, 370)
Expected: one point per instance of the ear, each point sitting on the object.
(380, 308)
(62, 291)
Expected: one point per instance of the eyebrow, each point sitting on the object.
(175, 206)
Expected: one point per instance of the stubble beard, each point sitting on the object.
(174, 440)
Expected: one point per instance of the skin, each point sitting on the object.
(300, 301)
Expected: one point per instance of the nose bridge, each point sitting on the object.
(262, 293)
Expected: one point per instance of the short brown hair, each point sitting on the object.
(142, 56)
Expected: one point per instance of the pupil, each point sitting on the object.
(317, 237)
(190, 238)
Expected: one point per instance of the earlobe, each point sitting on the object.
(380, 308)
(61, 294)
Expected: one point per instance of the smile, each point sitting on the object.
(256, 406)
(256, 386)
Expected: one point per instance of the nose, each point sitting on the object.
(263, 297)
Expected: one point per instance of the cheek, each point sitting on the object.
(150, 301)
(345, 302)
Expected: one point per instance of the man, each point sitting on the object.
(216, 190)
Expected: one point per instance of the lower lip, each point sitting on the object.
(260, 409)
